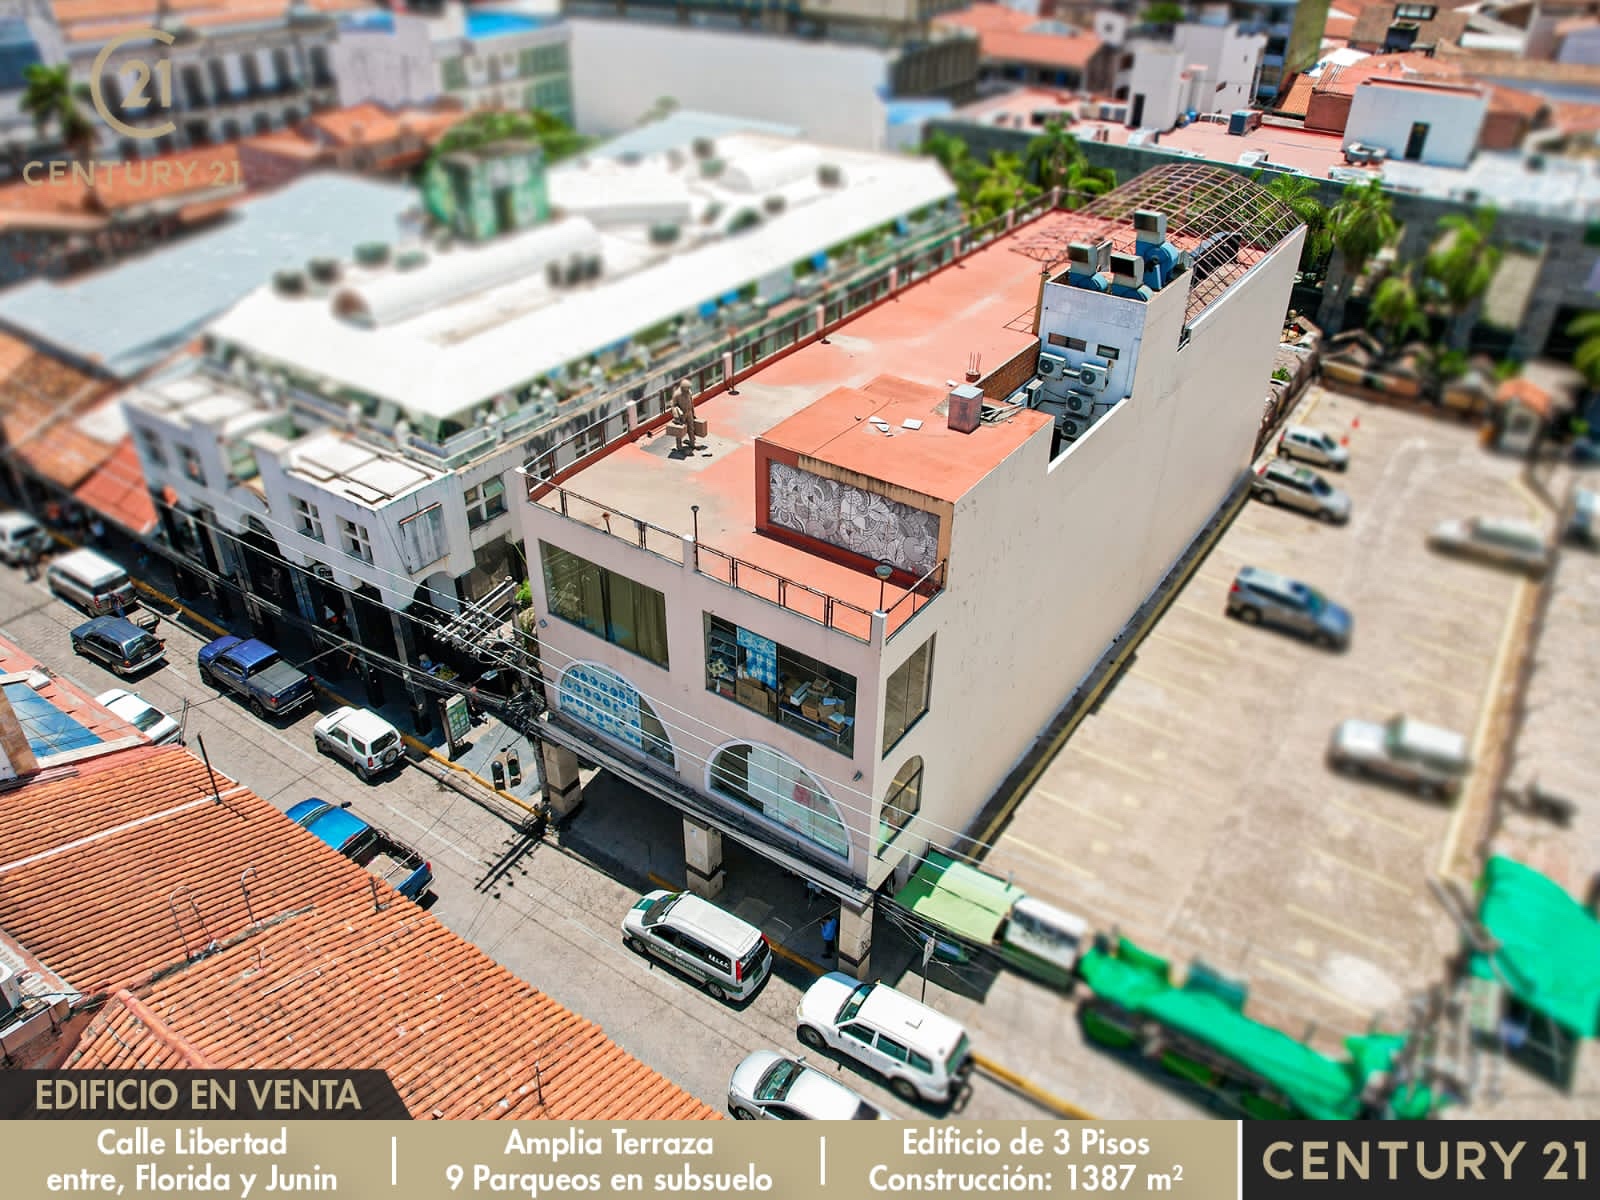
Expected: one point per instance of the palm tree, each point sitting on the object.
(1298, 193)
(1082, 183)
(553, 135)
(1461, 266)
(1002, 187)
(1396, 311)
(1052, 153)
(956, 160)
(49, 97)
(1587, 358)
(1360, 225)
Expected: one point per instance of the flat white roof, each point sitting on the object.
(478, 342)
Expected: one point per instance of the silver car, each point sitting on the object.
(1282, 482)
(1263, 598)
(768, 1086)
(1404, 750)
(1313, 446)
(1501, 540)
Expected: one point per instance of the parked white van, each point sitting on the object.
(922, 1053)
(92, 582)
(20, 534)
(728, 956)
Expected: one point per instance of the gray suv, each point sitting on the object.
(1282, 482)
(1262, 598)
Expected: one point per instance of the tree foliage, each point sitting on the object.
(1361, 224)
(1054, 159)
(1396, 311)
(50, 98)
(554, 136)
(1586, 327)
(1462, 263)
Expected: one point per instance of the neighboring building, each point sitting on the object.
(1579, 40)
(838, 92)
(1191, 68)
(164, 298)
(1388, 28)
(98, 829)
(248, 66)
(365, 420)
(1016, 48)
(1432, 123)
(366, 139)
(714, 627)
(51, 228)
(477, 58)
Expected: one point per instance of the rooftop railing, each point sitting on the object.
(802, 599)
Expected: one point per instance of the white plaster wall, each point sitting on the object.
(621, 68)
(1382, 116)
(1156, 74)
(396, 68)
(698, 720)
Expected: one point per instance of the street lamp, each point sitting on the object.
(883, 570)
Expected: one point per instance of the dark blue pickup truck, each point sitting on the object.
(401, 867)
(257, 673)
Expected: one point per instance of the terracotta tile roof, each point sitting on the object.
(1515, 100)
(39, 396)
(86, 20)
(360, 124)
(1574, 118)
(117, 490)
(1338, 25)
(1385, 66)
(1511, 66)
(1003, 37)
(1526, 393)
(1372, 26)
(1298, 96)
(119, 186)
(304, 972)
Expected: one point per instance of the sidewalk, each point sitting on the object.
(490, 741)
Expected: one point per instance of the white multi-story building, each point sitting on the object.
(1201, 67)
(832, 633)
(480, 59)
(363, 422)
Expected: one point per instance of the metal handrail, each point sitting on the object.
(607, 514)
(830, 606)
(912, 593)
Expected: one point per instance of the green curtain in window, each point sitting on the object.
(574, 586)
(638, 618)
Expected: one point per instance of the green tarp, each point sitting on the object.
(1313, 1083)
(1549, 945)
(968, 902)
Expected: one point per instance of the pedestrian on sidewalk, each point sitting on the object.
(30, 563)
(830, 936)
(97, 531)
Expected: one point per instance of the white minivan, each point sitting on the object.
(728, 956)
(21, 535)
(922, 1053)
(92, 582)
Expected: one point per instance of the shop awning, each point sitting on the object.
(964, 900)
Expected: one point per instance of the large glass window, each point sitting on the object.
(901, 804)
(608, 605)
(781, 684)
(906, 697)
(780, 789)
(607, 702)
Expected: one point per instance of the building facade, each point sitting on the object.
(824, 664)
(477, 59)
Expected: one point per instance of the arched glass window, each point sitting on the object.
(609, 704)
(901, 803)
(781, 790)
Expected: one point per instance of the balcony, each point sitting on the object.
(814, 604)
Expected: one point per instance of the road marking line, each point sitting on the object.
(1201, 652)
(1116, 765)
(1033, 1091)
(1160, 681)
(1365, 873)
(1480, 735)
(1012, 840)
(1449, 651)
(1122, 714)
(1368, 814)
(1209, 614)
(1118, 826)
(1339, 927)
(1449, 689)
(1272, 966)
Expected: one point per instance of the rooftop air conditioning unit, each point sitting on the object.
(1079, 404)
(10, 992)
(1051, 366)
(1030, 392)
(1094, 375)
(1071, 427)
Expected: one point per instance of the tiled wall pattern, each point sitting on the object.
(862, 522)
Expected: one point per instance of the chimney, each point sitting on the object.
(965, 404)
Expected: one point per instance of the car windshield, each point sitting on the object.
(146, 719)
(1318, 484)
(658, 911)
(1310, 599)
(853, 1005)
(780, 1077)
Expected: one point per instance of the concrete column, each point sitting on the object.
(855, 941)
(702, 858)
(405, 648)
(562, 791)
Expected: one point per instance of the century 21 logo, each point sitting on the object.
(135, 98)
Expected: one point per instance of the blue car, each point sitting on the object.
(257, 674)
(401, 867)
(1263, 598)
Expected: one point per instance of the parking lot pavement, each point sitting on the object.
(1193, 811)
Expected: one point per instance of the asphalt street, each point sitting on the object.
(545, 915)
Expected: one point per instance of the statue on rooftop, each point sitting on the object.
(683, 426)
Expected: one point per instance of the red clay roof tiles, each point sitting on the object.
(319, 966)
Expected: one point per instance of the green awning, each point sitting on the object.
(964, 900)
(1549, 945)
